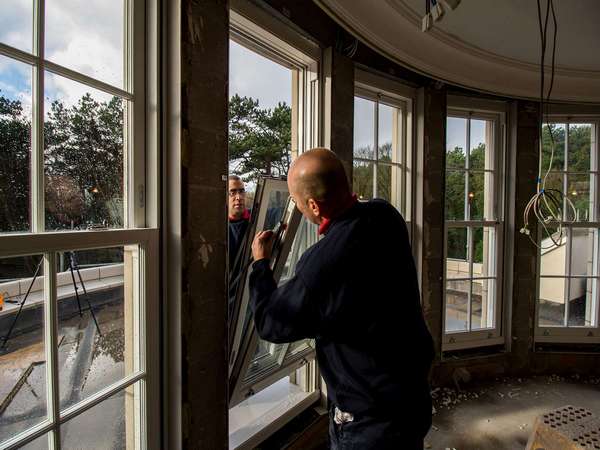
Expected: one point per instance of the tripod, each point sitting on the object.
(73, 267)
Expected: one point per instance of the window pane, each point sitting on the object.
(385, 134)
(478, 152)
(457, 264)
(554, 180)
(583, 251)
(306, 235)
(362, 180)
(455, 195)
(40, 443)
(106, 426)
(84, 156)
(260, 116)
(484, 252)
(97, 322)
(387, 178)
(16, 24)
(553, 133)
(364, 128)
(480, 196)
(298, 347)
(456, 142)
(483, 304)
(578, 191)
(266, 358)
(22, 348)
(275, 209)
(87, 37)
(554, 185)
(15, 145)
(457, 300)
(554, 257)
(582, 302)
(552, 301)
(580, 144)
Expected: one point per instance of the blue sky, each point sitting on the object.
(15, 80)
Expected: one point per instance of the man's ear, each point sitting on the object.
(314, 208)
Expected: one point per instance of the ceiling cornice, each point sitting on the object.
(444, 57)
(449, 39)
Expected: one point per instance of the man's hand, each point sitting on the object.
(263, 245)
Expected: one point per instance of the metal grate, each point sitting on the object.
(569, 427)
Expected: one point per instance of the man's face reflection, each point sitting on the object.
(237, 199)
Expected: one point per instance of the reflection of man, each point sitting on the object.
(356, 292)
(239, 217)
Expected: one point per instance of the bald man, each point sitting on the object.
(356, 293)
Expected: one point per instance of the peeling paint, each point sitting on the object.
(196, 28)
(204, 252)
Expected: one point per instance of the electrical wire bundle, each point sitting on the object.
(547, 204)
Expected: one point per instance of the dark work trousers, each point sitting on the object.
(369, 433)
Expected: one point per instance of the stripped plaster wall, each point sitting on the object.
(204, 104)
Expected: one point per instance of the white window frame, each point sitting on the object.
(575, 334)
(495, 112)
(140, 221)
(265, 35)
(379, 89)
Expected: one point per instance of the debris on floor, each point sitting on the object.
(501, 414)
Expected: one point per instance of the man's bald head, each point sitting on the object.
(319, 174)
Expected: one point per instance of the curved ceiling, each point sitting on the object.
(488, 45)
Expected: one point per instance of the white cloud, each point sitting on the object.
(252, 75)
(364, 123)
(84, 35)
(87, 36)
(16, 24)
(69, 92)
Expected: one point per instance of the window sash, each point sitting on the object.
(453, 340)
(133, 155)
(569, 333)
(145, 307)
(245, 338)
(145, 373)
(306, 133)
(401, 144)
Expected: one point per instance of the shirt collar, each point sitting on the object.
(245, 216)
(327, 221)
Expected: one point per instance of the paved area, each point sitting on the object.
(88, 362)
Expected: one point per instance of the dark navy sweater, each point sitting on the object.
(237, 232)
(356, 292)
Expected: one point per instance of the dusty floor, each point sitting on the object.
(499, 415)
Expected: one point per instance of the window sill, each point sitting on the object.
(261, 415)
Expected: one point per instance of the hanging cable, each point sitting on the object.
(547, 204)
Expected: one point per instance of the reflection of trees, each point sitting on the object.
(260, 140)
(83, 157)
(84, 142)
(64, 201)
(83, 169)
(15, 132)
